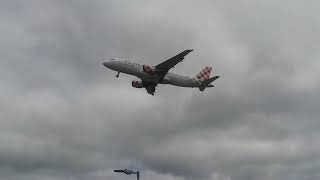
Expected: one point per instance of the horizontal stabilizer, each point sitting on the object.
(210, 80)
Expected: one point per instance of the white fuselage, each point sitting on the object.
(136, 69)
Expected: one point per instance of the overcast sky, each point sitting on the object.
(63, 116)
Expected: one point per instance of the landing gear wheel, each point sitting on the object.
(118, 74)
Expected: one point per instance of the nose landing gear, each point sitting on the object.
(118, 74)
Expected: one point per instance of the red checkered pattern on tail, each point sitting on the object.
(204, 74)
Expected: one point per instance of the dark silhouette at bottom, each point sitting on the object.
(128, 172)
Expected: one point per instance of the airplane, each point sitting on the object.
(151, 76)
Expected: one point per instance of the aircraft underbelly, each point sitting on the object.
(182, 83)
(173, 79)
(138, 72)
(179, 81)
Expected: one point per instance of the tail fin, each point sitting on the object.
(204, 74)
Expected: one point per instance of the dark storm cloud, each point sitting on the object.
(64, 116)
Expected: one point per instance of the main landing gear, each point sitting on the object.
(118, 74)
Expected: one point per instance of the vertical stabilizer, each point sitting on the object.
(204, 74)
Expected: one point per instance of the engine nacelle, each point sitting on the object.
(137, 84)
(148, 69)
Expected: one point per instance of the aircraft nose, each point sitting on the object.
(107, 64)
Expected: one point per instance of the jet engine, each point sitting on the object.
(137, 84)
(148, 69)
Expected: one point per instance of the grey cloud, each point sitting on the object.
(64, 116)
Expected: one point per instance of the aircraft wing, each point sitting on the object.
(163, 68)
(170, 63)
(150, 86)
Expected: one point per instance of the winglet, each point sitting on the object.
(185, 52)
